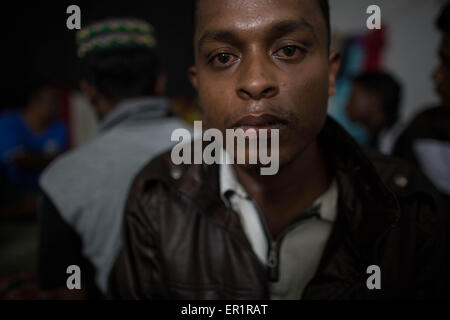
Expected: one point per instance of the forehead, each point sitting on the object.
(256, 15)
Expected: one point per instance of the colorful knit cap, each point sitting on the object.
(115, 33)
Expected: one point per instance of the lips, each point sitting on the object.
(264, 121)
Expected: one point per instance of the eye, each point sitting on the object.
(290, 52)
(223, 60)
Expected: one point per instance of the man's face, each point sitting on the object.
(48, 102)
(365, 107)
(441, 75)
(264, 64)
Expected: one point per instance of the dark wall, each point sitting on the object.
(37, 41)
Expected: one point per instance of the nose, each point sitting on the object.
(257, 79)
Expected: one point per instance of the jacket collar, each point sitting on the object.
(143, 108)
(365, 203)
(367, 206)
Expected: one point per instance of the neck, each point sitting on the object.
(283, 196)
(104, 107)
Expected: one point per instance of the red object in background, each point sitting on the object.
(375, 42)
(65, 93)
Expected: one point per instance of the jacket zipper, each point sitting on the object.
(274, 246)
(272, 263)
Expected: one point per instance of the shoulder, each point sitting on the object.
(422, 210)
(432, 112)
(8, 115)
(427, 118)
(401, 177)
(421, 205)
(12, 130)
(70, 166)
(176, 184)
(9, 118)
(58, 127)
(159, 171)
(154, 191)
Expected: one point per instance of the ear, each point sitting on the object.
(98, 102)
(334, 62)
(160, 84)
(193, 76)
(90, 91)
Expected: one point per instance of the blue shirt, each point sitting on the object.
(16, 139)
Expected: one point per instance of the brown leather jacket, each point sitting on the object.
(182, 242)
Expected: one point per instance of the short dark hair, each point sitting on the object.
(324, 8)
(388, 88)
(443, 21)
(122, 72)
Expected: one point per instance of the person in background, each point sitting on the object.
(30, 138)
(84, 191)
(425, 142)
(374, 104)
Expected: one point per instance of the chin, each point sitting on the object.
(290, 155)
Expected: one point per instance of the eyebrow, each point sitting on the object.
(276, 30)
(226, 36)
(288, 26)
